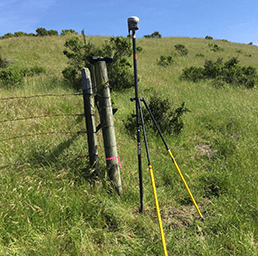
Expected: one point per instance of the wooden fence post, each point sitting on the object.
(84, 38)
(107, 123)
(90, 119)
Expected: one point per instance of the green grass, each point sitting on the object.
(49, 206)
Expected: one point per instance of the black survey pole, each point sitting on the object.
(138, 120)
(133, 25)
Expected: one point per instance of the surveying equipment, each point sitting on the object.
(133, 25)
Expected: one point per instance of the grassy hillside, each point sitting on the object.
(48, 204)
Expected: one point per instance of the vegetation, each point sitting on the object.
(228, 72)
(215, 48)
(119, 71)
(165, 60)
(13, 76)
(49, 206)
(39, 32)
(181, 49)
(44, 32)
(169, 118)
(155, 34)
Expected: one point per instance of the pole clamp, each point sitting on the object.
(94, 59)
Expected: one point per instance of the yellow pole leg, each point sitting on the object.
(158, 212)
(187, 188)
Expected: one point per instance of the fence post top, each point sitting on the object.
(86, 81)
(94, 59)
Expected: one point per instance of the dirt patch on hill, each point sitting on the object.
(204, 149)
(176, 218)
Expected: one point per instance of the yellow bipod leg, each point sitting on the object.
(158, 212)
(187, 188)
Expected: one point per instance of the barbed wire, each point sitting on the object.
(42, 133)
(36, 117)
(19, 163)
(41, 95)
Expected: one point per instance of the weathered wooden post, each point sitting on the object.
(107, 122)
(89, 111)
(84, 38)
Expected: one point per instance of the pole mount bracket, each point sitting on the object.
(94, 59)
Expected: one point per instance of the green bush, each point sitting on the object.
(194, 74)
(8, 35)
(228, 72)
(139, 49)
(68, 32)
(41, 32)
(199, 55)
(181, 49)
(215, 48)
(70, 73)
(16, 34)
(168, 118)
(209, 37)
(165, 60)
(13, 76)
(119, 71)
(44, 32)
(52, 33)
(156, 34)
(4, 63)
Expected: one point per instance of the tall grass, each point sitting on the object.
(49, 206)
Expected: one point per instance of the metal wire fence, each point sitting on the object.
(47, 133)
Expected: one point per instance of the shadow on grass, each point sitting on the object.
(61, 156)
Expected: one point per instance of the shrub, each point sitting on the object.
(33, 71)
(4, 63)
(8, 35)
(194, 74)
(199, 55)
(168, 118)
(139, 49)
(209, 37)
(14, 76)
(165, 60)
(212, 69)
(181, 49)
(229, 72)
(215, 48)
(52, 32)
(70, 73)
(11, 76)
(41, 32)
(156, 34)
(68, 32)
(44, 32)
(119, 71)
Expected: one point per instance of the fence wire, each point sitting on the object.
(18, 162)
(42, 133)
(36, 117)
(41, 95)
